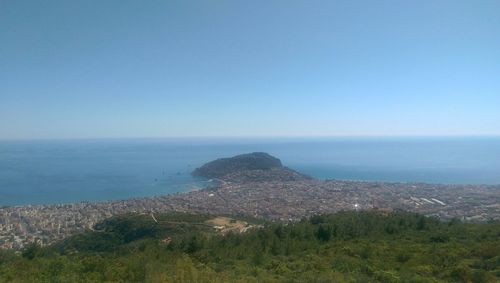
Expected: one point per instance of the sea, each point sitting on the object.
(66, 171)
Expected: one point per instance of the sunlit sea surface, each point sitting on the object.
(62, 171)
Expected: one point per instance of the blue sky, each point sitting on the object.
(101, 69)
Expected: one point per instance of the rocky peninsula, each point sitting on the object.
(250, 167)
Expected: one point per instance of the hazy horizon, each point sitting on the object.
(243, 137)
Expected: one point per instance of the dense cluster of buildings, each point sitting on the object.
(281, 199)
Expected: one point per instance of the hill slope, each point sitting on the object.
(343, 247)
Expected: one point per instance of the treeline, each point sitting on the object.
(342, 247)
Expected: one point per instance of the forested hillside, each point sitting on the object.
(343, 247)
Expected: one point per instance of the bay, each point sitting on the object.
(62, 171)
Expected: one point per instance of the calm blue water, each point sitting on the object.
(33, 172)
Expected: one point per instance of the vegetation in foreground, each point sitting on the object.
(343, 247)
